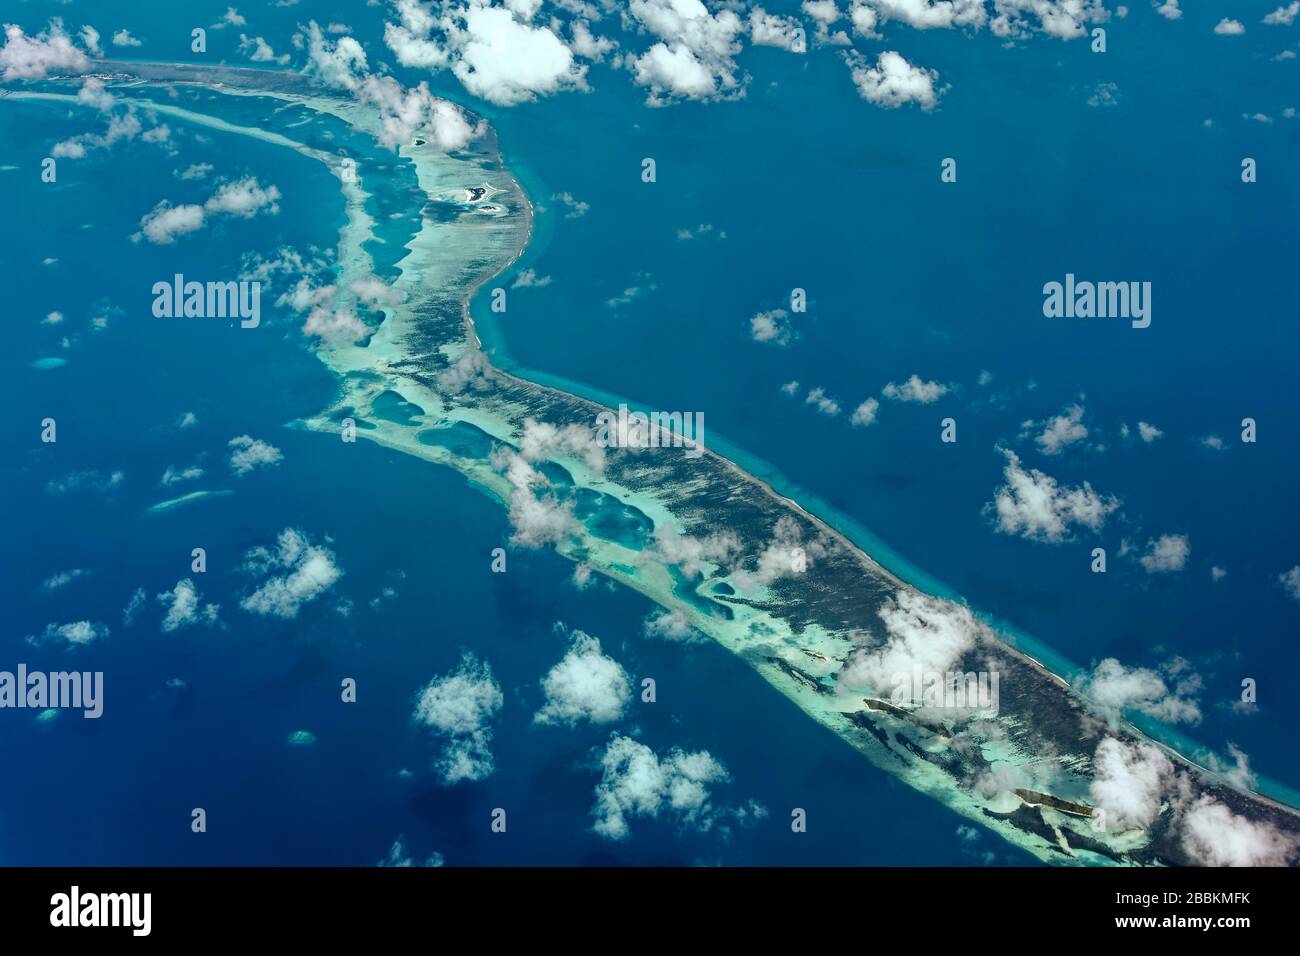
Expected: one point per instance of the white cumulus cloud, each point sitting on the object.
(26, 57)
(1033, 505)
(694, 57)
(1128, 783)
(1166, 554)
(920, 632)
(294, 572)
(1213, 835)
(460, 707)
(74, 634)
(585, 685)
(1061, 431)
(893, 82)
(637, 782)
(915, 389)
(1168, 694)
(184, 607)
(251, 453)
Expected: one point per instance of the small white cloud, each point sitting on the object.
(542, 440)
(1168, 694)
(194, 171)
(1284, 15)
(1033, 505)
(134, 605)
(865, 414)
(374, 292)
(824, 14)
(920, 632)
(496, 52)
(586, 44)
(403, 112)
(1061, 431)
(75, 634)
(1213, 835)
(585, 685)
(691, 554)
(703, 230)
(1063, 19)
(336, 328)
(786, 554)
(470, 371)
(915, 389)
(823, 403)
(1229, 28)
(123, 126)
(94, 93)
(26, 57)
(893, 82)
(1104, 94)
(231, 18)
(1237, 771)
(1166, 554)
(769, 29)
(529, 279)
(184, 607)
(1128, 783)
(244, 198)
(637, 782)
(460, 706)
(295, 572)
(1290, 581)
(176, 476)
(922, 14)
(537, 515)
(93, 481)
(506, 61)
(695, 56)
(574, 208)
(669, 626)
(634, 292)
(399, 856)
(252, 453)
(259, 51)
(165, 222)
(583, 577)
(771, 326)
(62, 579)
(90, 37)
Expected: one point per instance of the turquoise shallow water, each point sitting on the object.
(812, 188)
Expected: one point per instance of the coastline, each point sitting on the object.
(500, 426)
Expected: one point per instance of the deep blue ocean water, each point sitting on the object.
(814, 189)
